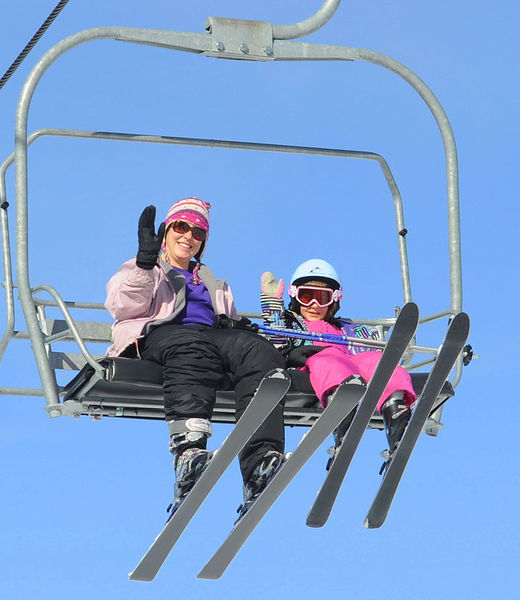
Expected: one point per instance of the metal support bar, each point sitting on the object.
(324, 14)
(422, 363)
(72, 327)
(30, 392)
(8, 273)
(254, 146)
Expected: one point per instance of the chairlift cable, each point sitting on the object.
(32, 42)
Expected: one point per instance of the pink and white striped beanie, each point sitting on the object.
(192, 210)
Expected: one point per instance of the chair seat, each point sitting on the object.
(133, 388)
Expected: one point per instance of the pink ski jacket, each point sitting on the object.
(140, 299)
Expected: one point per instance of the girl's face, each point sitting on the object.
(314, 312)
(181, 247)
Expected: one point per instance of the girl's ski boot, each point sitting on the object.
(395, 417)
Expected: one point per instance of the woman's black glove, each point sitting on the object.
(297, 357)
(149, 242)
(225, 322)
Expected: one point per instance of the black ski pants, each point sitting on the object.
(196, 360)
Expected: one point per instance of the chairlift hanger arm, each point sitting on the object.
(302, 28)
(313, 23)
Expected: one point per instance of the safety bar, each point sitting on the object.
(201, 142)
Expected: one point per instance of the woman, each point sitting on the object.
(166, 305)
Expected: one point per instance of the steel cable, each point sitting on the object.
(32, 42)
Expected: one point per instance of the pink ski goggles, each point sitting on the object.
(307, 294)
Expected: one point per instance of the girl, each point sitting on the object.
(315, 291)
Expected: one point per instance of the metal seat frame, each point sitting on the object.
(224, 39)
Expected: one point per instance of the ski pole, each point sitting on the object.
(320, 337)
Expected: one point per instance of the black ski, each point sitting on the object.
(451, 348)
(268, 395)
(402, 333)
(341, 405)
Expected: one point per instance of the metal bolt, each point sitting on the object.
(244, 48)
(268, 51)
(220, 47)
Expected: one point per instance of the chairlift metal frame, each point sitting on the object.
(225, 39)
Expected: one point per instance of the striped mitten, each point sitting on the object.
(271, 302)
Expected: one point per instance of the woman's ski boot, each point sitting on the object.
(260, 477)
(188, 446)
(188, 468)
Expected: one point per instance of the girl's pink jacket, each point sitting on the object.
(138, 298)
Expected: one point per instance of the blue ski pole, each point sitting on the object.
(320, 337)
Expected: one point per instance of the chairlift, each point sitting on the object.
(132, 388)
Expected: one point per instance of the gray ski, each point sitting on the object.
(268, 395)
(341, 405)
(451, 348)
(402, 333)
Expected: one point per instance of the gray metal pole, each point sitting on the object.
(254, 146)
(322, 16)
(22, 247)
(6, 254)
(8, 274)
(452, 172)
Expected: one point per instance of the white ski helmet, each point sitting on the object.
(319, 269)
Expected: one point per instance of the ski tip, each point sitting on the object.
(201, 575)
(133, 577)
(410, 311)
(368, 524)
(463, 318)
(314, 518)
(208, 574)
(412, 307)
(311, 522)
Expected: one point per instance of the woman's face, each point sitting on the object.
(314, 312)
(181, 247)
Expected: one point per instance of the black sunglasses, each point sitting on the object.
(182, 227)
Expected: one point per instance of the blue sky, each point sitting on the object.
(82, 500)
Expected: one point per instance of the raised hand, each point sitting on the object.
(271, 287)
(149, 241)
(271, 302)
